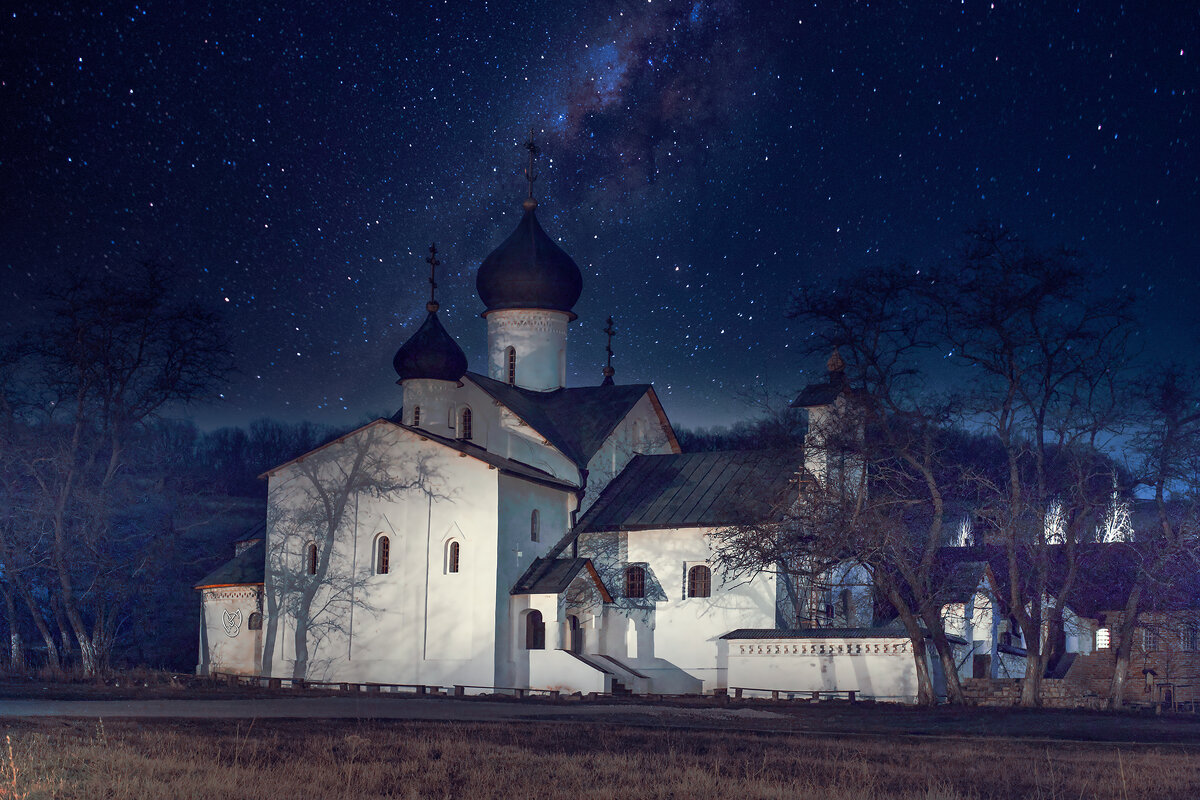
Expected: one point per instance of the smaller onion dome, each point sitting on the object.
(430, 353)
(528, 270)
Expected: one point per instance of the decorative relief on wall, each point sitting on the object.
(529, 320)
(232, 622)
(232, 593)
(890, 648)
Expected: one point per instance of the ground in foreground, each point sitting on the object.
(70, 758)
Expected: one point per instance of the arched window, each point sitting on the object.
(383, 553)
(416, 416)
(535, 631)
(255, 621)
(635, 582)
(450, 418)
(535, 526)
(1103, 638)
(452, 557)
(699, 581)
(464, 427)
(510, 361)
(311, 558)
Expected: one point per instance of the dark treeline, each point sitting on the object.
(231, 460)
(109, 511)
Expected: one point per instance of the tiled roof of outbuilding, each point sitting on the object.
(816, 633)
(694, 490)
(245, 569)
(889, 632)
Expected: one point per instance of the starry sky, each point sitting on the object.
(699, 159)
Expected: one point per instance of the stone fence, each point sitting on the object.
(1056, 693)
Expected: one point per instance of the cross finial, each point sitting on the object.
(610, 332)
(835, 362)
(530, 173)
(433, 262)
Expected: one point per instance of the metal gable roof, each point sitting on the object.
(553, 576)
(691, 490)
(960, 585)
(577, 420)
(507, 466)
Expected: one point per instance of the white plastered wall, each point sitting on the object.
(539, 338)
(640, 432)
(516, 551)
(417, 623)
(226, 642)
(673, 639)
(881, 668)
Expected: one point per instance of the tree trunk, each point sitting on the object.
(87, 650)
(53, 657)
(64, 628)
(103, 631)
(300, 665)
(954, 692)
(1031, 684)
(16, 646)
(925, 693)
(1124, 637)
(271, 626)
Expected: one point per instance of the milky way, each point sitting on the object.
(699, 160)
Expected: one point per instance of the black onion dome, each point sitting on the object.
(529, 271)
(430, 353)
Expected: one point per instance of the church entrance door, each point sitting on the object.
(576, 640)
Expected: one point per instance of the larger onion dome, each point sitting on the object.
(430, 353)
(528, 270)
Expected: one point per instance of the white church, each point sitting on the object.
(507, 531)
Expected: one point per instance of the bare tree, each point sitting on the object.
(882, 498)
(112, 352)
(1045, 356)
(1168, 448)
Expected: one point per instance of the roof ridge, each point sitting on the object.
(574, 420)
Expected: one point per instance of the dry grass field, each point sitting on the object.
(61, 758)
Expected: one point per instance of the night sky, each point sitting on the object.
(699, 160)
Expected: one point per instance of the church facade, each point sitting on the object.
(504, 530)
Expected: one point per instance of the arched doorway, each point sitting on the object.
(535, 631)
(575, 631)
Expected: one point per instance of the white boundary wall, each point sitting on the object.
(876, 667)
